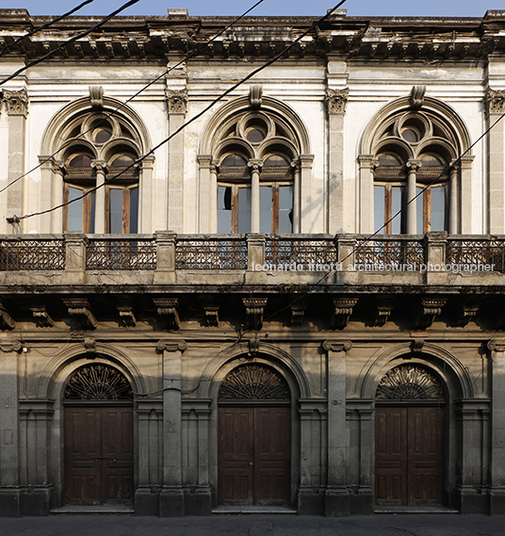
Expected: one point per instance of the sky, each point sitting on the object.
(425, 8)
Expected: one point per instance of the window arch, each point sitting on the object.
(255, 151)
(405, 169)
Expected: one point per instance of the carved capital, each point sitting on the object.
(14, 346)
(430, 309)
(17, 102)
(255, 165)
(96, 97)
(254, 309)
(336, 100)
(417, 97)
(495, 101)
(334, 346)
(177, 101)
(255, 94)
(127, 316)
(100, 166)
(414, 165)
(171, 346)
(42, 317)
(6, 320)
(343, 308)
(496, 346)
(167, 308)
(80, 310)
(367, 161)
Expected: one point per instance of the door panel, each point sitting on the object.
(98, 455)
(254, 455)
(409, 455)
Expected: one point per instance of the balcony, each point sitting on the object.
(258, 260)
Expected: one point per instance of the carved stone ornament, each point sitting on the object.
(168, 311)
(6, 320)
(384, 310)
(496, 346)
(15, 346)
(467, 312)
(430, 309)
(495, 101)
(127, 316)
(255, 94)
(333, 346)
(336, 100)
(177, 101)
(410, 382)
(90, 344)
(298, 310)
(17, 102)
(343, 308)
(42, 317)
(211, 315)
(254, 310)
(417, 97)
(254, 382)
(98, 382)
(171, 346)
(96, 97)
(80, 310)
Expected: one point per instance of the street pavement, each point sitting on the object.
(255, 525)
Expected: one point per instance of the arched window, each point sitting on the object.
(413, 157)
(101, 157)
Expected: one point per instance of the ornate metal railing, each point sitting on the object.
(32, 254)
(388, 252)
(121, 254)
(477, 254)
(301, 253)
(200, 253)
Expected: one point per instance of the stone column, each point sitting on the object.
(454, 200)
(465, 193)
(495, 107)
(172, 497)
(336, 100)
(17, 110)
(146, 197)
(305, 225)
(296, 195)
(10, 500)
(46, 194)
(205, 217)
(365, 208)
(255, 166)
(58, 172)
(100, 168)
(337, 493)
(177, 102)
(497, 462)
(413, 166)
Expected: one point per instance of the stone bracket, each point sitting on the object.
(298, 311)
(211, 315)
(167, 308)
(467, 312)
(127, 316)
(6, 320)
(254, 309)
(80, 310)
(430, 309)
(42, 317)
(343, 308)
(384, 310)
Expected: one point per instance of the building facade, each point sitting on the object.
(295, 301)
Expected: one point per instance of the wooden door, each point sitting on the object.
(98, 454)
(254, 455)
(409, 460)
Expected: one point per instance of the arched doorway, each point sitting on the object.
(254, 463)
(409, 437)
(98, 431)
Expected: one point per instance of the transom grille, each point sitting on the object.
(97, 382)
(254, 382)
(410, 382)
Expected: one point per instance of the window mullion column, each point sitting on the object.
(413, 166)
(296, 196)
(453, 199)
(100, 169)
(255, 166)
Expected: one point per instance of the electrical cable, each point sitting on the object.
(44, 26)
(123, 105)
(194, 118)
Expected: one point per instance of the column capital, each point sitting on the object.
(368, 161)
(336, 100)
(337, 346)
(495, 101)
(255, 164)
(99, 165)
(171, 346)
(496, 346)
(177, 101)
(17, 102)
(414, 165)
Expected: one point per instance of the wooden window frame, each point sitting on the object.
(126, 189)
(86, 205)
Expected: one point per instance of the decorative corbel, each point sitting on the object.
(211, 314)
(384, 309)
(298, 311)
(430, 309)
(177, 101)
(336, 100)
(80, 310)
(42, 317)
(334, 346)
(255, 94)
(254, 309)
(467, 312)
(168, 311)
(417, 97)
(343, 308)
(96, 97)
(254, 346)
(417, 345)
(89, 344)
(171, 346)
(15, 346)
(127, 316)
(6, 320)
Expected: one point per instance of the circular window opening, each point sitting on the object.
(255, 135)
(102, 134)
(413, 130)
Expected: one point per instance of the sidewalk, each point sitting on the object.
(255, 525)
